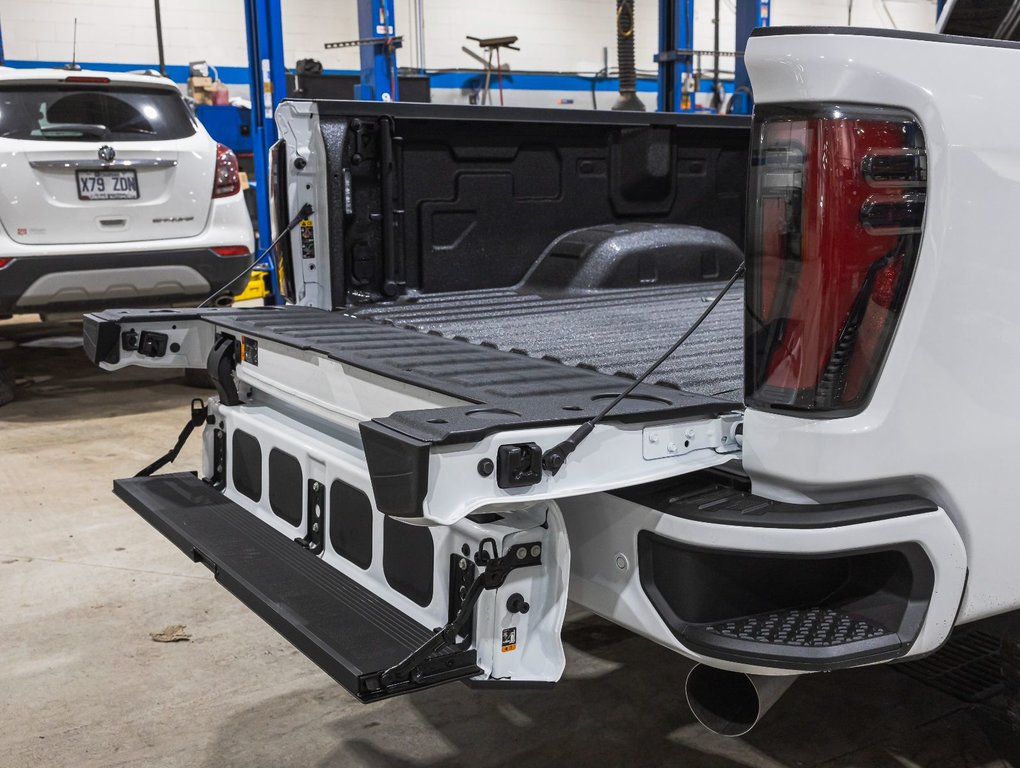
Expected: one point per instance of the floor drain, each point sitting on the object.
(967, 667)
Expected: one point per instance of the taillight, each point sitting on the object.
(228, 180)
(86, 79)
(837, 209)
(231, 250)
(5, 262)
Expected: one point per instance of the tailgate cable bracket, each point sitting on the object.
(554, 458)
(415, 669)
(199, 414)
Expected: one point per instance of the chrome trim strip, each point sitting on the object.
(99, 165)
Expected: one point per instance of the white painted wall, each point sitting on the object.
(916, 15)
(555, 35)
(123, 31)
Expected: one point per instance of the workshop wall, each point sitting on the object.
(556, 36)
(123, 31)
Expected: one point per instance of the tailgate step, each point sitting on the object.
(343, 627)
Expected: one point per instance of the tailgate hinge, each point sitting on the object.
(723, 435)
(441, 656)
(313, 540)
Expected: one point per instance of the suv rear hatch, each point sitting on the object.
(93, 161)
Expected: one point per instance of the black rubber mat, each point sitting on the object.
(339, 624)
(967, 667)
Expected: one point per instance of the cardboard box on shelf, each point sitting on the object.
(205, 90)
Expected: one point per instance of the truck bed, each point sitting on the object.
(616, 332)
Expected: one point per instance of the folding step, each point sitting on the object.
(343, 627)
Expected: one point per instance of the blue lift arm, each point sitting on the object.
(267, 80)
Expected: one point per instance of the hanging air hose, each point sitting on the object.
(625, 55)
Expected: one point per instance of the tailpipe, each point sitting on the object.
(732, 703)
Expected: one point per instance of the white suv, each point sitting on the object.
(112, 193)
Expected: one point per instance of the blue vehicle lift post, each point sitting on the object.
(751, 14)
(676, 33)
(378, 53)
(676, 40)
(268, 84)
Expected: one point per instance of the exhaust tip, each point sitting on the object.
(732, 703)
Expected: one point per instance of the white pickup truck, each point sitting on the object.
(410, 468)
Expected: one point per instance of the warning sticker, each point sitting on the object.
(307, 239)
(249, 350)
(509, 639)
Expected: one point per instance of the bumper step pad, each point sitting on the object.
(340, 625)
(788, 633)
(814, 627)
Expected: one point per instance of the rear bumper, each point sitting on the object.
(739, 582)
(85, 282)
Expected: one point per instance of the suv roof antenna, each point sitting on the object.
(73, 66)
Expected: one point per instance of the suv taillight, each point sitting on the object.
(227, 181)
(837, 207)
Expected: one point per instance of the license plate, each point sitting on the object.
(107, 185)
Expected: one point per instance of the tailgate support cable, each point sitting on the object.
(553, 459)
(304, 213)
(198, 416)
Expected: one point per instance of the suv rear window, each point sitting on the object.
(89, 113)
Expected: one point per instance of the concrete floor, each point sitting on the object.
(83, 583)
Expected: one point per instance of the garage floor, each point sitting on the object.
(83, 583)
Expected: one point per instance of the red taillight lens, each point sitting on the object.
(837, 207)
(227, 181)
(5, 262)
(231, 250)
(86, 79)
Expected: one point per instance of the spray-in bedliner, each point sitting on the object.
(618, 332)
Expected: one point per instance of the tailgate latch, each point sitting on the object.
(518, 466)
